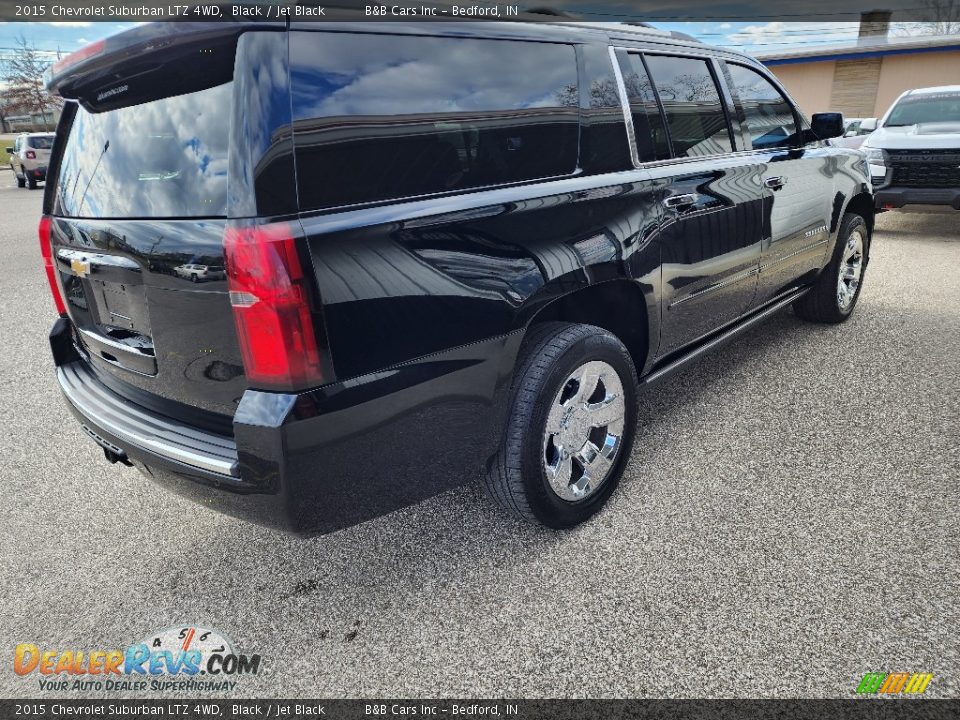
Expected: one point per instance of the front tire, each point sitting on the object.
(835, 293)
(573, 415)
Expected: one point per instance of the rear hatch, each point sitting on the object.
(138, 206)
(40, 146)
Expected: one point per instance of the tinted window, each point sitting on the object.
(603, 133)
(379, 117)
(651, 133)
(40, 142)
(695, 116)
(940, 106)
(166, 158)
(768, 115)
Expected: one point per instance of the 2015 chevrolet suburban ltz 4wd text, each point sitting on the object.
(451, 250)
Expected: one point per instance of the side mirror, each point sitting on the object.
(868, 126)
(9, 151)
(827, 125)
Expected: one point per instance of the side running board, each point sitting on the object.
(724, 337)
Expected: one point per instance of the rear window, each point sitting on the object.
(166, 158)
(380, 117)
(40, 142)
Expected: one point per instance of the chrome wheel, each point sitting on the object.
(851, 269)
(584, 431)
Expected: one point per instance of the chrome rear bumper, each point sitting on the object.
(136, 428)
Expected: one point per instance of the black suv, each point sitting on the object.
(450, 250)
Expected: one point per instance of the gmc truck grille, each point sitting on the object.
(925, 168)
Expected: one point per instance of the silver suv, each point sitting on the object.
(29, 157)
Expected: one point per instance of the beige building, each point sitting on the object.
(864, 79)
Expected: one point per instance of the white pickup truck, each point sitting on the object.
(914, 153)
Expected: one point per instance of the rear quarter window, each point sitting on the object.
(380, 117)
(166, 158)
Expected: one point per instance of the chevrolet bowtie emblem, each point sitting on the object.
(80, 267)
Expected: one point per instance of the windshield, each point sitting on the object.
(926, 108)
(40, 142)
(166, 158)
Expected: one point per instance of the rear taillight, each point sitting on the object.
(271, 306)
(31, 155)
(46, 251)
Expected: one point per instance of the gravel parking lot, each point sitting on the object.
(788, 522)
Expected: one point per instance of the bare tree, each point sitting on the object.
(568, 96)
(941, 16)
(22, 74)
(938, 17)
(689, 88)
(638, 87)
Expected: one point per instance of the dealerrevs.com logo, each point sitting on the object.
(189, 658)
(894, 683)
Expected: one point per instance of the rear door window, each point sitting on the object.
(769, 115)
(652, 140)
(379, 117)
(691, 101)
(166, 158)
(604, 145)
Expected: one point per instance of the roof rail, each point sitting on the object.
(672, 33)
(551, 12)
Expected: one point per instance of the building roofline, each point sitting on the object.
(866, 47)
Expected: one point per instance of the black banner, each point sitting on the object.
(486, 10)
(117, 709)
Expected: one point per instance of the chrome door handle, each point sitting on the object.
(679, 201)
(775, 183)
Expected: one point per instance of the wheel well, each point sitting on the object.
(618, 306)
(862, 205)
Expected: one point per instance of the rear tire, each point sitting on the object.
(32, 182)
(573, 415)
(835, 293)
(21, 180)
